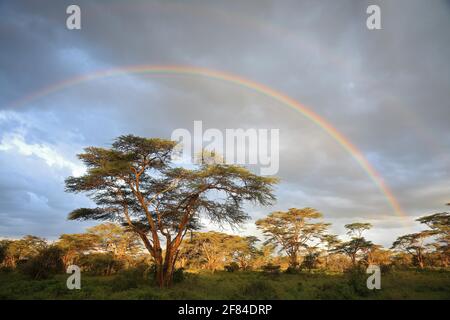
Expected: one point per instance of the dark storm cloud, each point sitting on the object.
(387, 90)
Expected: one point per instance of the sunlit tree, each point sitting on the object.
(135, 183)
(358, 245)
(292, 231)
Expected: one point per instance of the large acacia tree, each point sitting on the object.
(134, 182)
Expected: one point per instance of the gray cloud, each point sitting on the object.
(386, 90)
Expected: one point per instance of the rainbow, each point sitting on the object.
(240, 81)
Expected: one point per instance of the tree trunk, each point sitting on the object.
(353, 256)
(293, 260)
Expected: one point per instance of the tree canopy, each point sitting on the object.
(293, 231)
(135, 183)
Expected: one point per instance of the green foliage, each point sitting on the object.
(232, 267)
(3, 250)
(259, 289)
(292, 230)
(47, 263)
(128, 279)
(178, 275)
(100, 264)
(356, 278)
(427, 284)
(135, 183)
(357, 228)
(292, 270)
(271, 269)
(310, 261)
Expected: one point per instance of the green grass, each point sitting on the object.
(239, 285)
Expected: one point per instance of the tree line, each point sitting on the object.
(157, 205)
(293, 243)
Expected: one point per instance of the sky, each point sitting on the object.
(386, 90)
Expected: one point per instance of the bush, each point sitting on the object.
(310, 262)
(6, 269)
(271, 269)
(47, 263)
(357, 280)
(100, 264)
(178, 275)
(232, 267)
(127, 279)
(292, 270)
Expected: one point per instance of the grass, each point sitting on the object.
(239, 285)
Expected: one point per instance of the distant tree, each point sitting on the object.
(264, 255)
(356, 229)
(23, 249)
(414, 244)
(377, 255)
(3, 250)
(211, 248)
(439, 223)
(46, 263)
(311, 259)
(292, 231)
(419, 244)
(330, 241)
(123, 244)
(354, 247)
(243, 250)
(358, 244)
(135, 183)
(75, 245)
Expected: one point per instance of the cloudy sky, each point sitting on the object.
(386, 90)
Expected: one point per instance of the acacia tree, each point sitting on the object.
(243, 250)
(292, 231)
(414, 244)
(121, 242)
(358, 244)
(135, 183)
(27, 247)
(209, 248)
(439, 223)
(331, 241)
(356, 229)
(75, 245)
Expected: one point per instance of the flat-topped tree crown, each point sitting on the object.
(357, 228)
(135, 183)
(293, 230)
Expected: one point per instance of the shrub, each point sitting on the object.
(271, 269)
(6, 269)
(178, 275)
(48, 262)
(100, 264)
(310, 262)
(232, 267)
(292, 270)
(3, 251)
(357, 280)
(127, 279)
